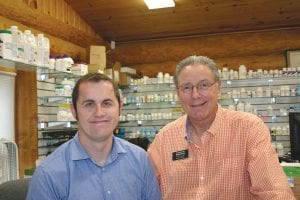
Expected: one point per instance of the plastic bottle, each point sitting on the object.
(67, 87)
(240, 107)
(242, 72)
(269, 110)
(280, 150)
(29, 47)
(51, 62)
(17, 44)
(225, 73)
(43, 50)
(39, 49)
(248, 107)
(58, 63)
(46, 50)
(71, 63)
(5, 44)
(297, 90)
(67, 62)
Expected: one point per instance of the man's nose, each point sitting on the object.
(99, 110)
(195, 92)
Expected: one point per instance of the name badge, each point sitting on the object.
(178, 155)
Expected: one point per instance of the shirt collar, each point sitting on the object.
(187, 129)
(213, 129)
(78, 152)
(216, 125)
(117, 149)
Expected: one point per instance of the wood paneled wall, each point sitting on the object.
(264, 49)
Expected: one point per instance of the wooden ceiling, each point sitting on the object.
(130, 20)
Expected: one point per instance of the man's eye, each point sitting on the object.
(187, 87)
(89, 104)
(204, 85)
(107, 103)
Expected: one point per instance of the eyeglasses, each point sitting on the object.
(201, 86)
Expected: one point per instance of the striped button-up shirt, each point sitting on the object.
(234, 161)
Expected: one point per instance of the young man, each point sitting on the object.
(95, 164)
(212, 152)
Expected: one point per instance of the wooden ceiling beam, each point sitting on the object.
(260, 43)
(19, 11)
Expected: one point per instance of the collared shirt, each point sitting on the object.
(235, 161)
(70, 173)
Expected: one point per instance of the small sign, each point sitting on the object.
(178, 155)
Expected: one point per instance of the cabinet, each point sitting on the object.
(149, 107)
(55, 121)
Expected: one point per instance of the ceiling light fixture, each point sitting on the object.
(155, 4)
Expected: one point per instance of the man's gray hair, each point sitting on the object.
(194, 60)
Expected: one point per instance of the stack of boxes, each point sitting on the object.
(121, 75)
(126, 74)
(97, 59)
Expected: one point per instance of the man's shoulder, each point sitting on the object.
(175, 125)
(59, 158)
(128, 146)
(131, 152)
(238, 115)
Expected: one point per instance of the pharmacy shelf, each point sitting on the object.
(57, 125)
(263, 100)
(152, 105)
(149, 88)
(268, 81)
(159, 122)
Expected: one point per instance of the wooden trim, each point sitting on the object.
(26, 135)
(4, 69)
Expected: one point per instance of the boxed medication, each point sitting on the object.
(98, 56)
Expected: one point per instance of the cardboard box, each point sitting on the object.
(128, 70)
(124, 79)
(79, 69)
(95, 68)
(108, 72)
(98, 56)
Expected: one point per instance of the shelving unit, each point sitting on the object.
(278, 99)
(148, 108)
(52, 131)
(138, 115)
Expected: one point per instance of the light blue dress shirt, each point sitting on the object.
(70, 173)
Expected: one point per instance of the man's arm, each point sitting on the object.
(268, 180)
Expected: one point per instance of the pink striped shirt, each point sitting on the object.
(235, 161)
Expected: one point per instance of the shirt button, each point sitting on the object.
(108, 191)
(201, 177)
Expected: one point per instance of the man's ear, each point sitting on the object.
(74, 113)
(219, 88)
(121, 106)
(177, 91)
